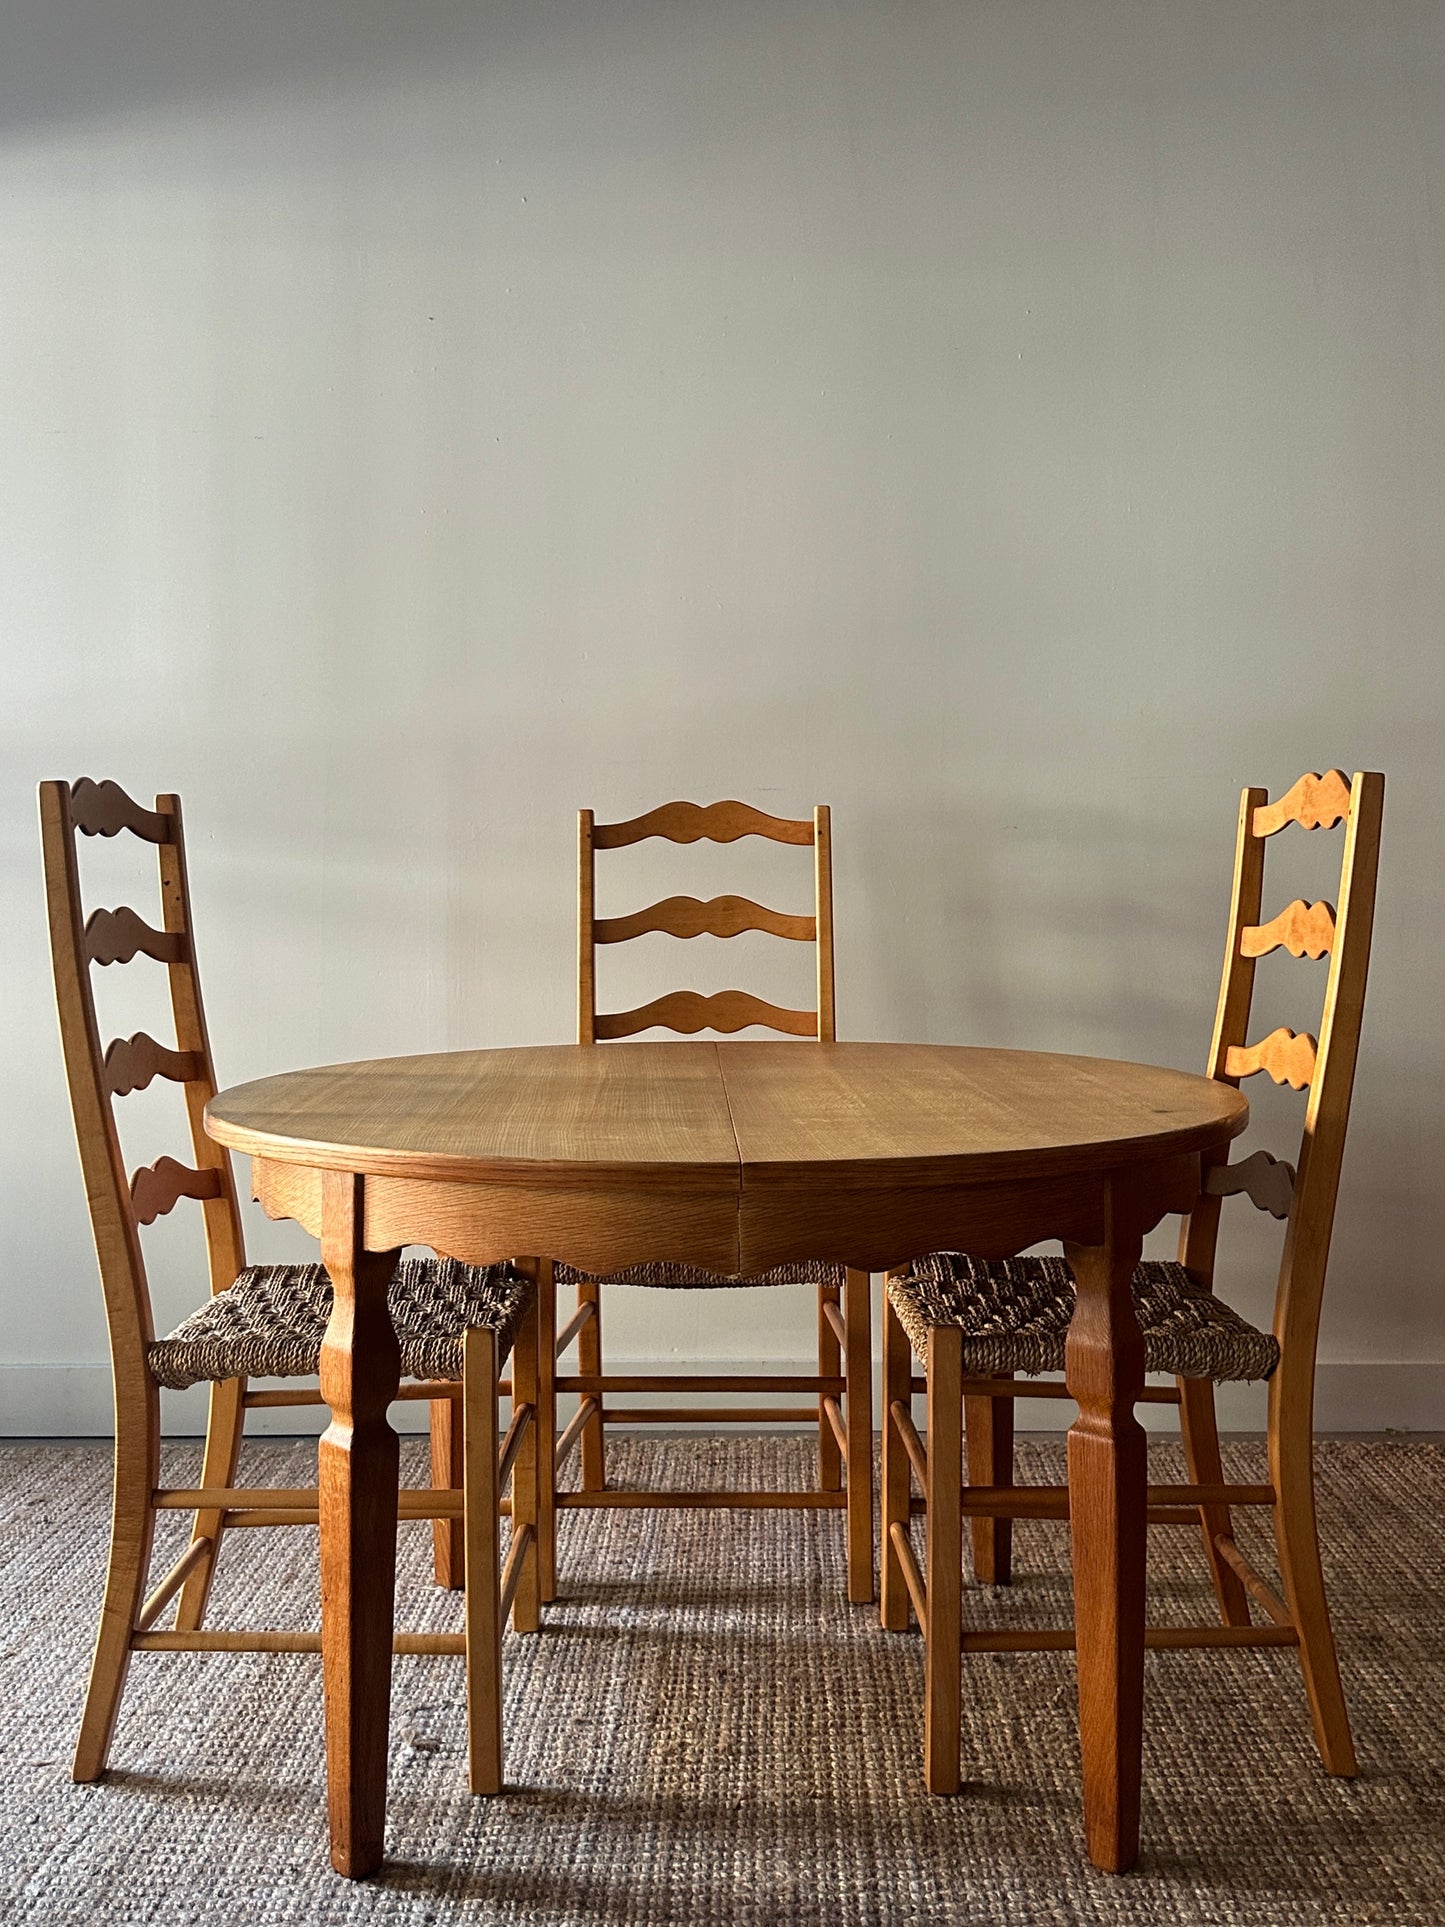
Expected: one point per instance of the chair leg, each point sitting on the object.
(1291, 1464)
(858, 1427)
(447, 1467)
(225, 1424)
(546, 1431)
(132, 1534)
(1199, 1435)
(483, 1561)
(526, 1614)
(896, 1607)
(990, 1425)
(830, 1364)
(592, 1444)
(943, 1580)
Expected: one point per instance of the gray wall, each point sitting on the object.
(1019, 425)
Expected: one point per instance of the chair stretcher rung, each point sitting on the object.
(912, 1577)
(524, 1537)
(701, 1501)
(834, 1415)
(912, 1444)
(703, 1415)
(836, 1321)
(597, 1383)
(583, 1315)
(1042, 1388)
(283, 1642)
(195, 1553)
(412, 1502)
(1156, 1638)
(1261, 1592)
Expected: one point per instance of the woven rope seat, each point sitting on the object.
(270, 1322)
(1014, 1314)
(677, 1277)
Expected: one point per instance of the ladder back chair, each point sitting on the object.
(975, 1323)
(455, 1323)
(845, 1423)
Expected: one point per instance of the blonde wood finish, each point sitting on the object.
(726, 1012)
(836, 1150)
(719, 917)
(132, 1063)
(104, 809)
(1303, 929)
(158, 1188)
(1287, 1056)
(694, 822)
(689, 1012)
(482, 1554)
(1107, 1501)
(1267, 1182)
(116, 936)
(1315, 803)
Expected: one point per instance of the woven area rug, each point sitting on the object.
(707, 1735)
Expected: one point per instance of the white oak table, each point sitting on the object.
(736, 1157)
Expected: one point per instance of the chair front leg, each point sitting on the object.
(943, 1634)
(481, 1513)
(896, 1605)
(858, 1428)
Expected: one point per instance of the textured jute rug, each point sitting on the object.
(707, 1733)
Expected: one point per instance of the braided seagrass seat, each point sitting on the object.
(673, 1277)
(270, 1322)
(1014, 1315)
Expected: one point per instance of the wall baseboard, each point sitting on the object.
(74, 1401)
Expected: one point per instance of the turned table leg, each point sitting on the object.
(358, 1462)
(1108, 1489)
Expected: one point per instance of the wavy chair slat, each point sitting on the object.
(692, 822)
(689, 1012)
(1315, 803)
(132, 1063)
(718, 917)
(104, 809)
(116, 936)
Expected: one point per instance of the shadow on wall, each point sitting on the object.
(71, 60)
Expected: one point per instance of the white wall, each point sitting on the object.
(1018, 425)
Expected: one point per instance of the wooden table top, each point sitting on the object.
(917, 1114)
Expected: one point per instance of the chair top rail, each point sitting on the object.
(692, 822)
(104, 809)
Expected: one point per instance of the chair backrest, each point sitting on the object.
(120, 1203)
(686, 1010)
(1303, 1193)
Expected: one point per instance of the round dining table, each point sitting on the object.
(735, 1156)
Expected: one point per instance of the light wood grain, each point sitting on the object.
(357, 1465)
(685, 917)
(1315, 802)
(132, 1063)
(116, 936)
(158, 1188)
(689, 1011)
(104, 809)
(1288, 1057)
(693, 822)
(1303, 929)
(1268, 1182)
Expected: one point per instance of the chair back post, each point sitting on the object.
(225, 1246)
(1300, 1290)
(1199, 1232)
(727, 916)
(823, 920)
(112, 1209)
(586, 943)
